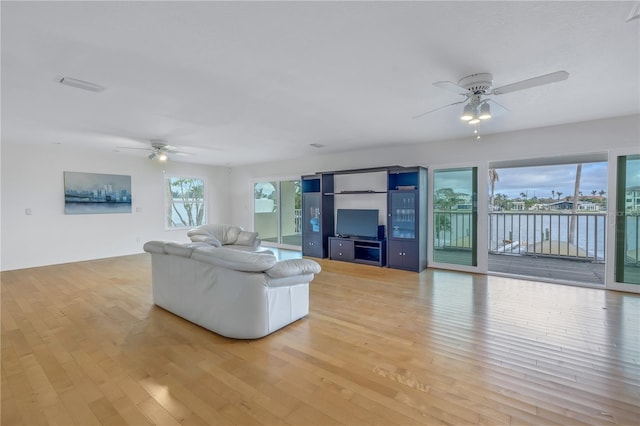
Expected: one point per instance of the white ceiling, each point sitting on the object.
(243, 82)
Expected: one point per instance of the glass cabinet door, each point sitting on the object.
(311, 213)
(402, 214)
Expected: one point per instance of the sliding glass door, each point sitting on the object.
(626, 274)
(290, 213)
(455, 216)
(277, 212)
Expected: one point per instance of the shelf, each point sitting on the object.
(365, 170)
(355, 192)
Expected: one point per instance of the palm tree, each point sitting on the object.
(594, 192)
(602, 192)
(493, 178)
(574, 207)
(553, 194)
(559, 194)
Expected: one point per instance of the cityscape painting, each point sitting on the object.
(95, 193)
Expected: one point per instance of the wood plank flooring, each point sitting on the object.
(82, 344)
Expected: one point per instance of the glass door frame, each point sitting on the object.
(612, 202)
(482, 258)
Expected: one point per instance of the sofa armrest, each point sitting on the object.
(154, 246)
(290, 267)
(246, 238)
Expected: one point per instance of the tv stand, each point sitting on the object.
(358, 250)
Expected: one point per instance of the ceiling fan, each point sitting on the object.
(159, 149)
(477, 87)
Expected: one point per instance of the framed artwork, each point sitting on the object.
(96, 193)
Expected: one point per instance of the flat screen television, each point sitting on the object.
(357, 223)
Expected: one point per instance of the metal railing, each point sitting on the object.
(297, 218)
(564, 234)
(452, 229)
(537, 233)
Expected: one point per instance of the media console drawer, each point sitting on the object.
(341, 249)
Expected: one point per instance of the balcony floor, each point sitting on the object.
(548, 268)
(543, 268)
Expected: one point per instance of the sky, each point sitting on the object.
(537, 180)
(89, 181)
(542, 180)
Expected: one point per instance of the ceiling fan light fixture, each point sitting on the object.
(468, 113)
(163, 157)
(151, 156)
(474, 120)
(485, 112)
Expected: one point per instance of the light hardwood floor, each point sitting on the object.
(83, 344)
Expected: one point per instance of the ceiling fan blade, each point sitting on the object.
(438, 109)
(451, 86)
(501, 108)
(531, 82)
(129, 147)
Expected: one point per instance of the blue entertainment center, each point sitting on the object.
(357, 234)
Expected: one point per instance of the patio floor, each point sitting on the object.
(548, 268)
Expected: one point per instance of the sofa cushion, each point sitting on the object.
(235, 259)
(206, 239)
(286, 268)
(246, 238)
(225, 234)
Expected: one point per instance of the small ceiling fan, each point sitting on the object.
(477, 87)
(159, 149)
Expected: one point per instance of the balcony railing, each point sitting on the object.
(537, 233)
(549, 233)
(297, 218)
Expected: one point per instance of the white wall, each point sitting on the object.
(376, 181)
(33, 178)
(565, 140)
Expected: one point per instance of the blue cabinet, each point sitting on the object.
(407, 218)
(317, 214)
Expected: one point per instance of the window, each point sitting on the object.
(185, 202)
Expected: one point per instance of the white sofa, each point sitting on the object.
(235, 293)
